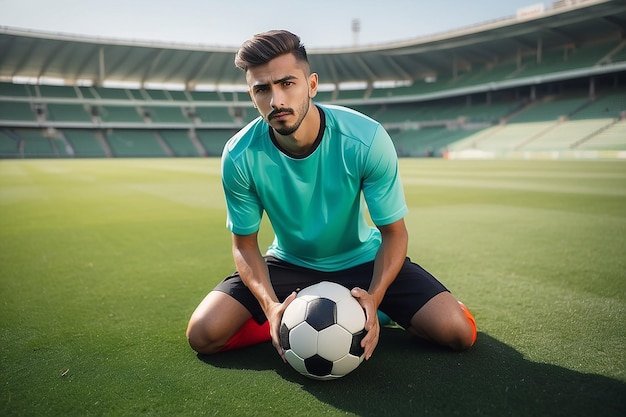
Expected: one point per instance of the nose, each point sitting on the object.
(276, 101)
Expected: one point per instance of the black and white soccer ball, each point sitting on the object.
(321, 331)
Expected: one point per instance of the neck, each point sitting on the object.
(300, 141)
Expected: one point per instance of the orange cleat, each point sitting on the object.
(470, 318)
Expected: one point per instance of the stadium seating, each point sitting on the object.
(213, 140)
(32, 143)
(566, 134)
(498, 106)
(16, 111)
(210, 96)
(35, 144)
(54, 91)
(612, 138)
(86, 143)
(610, 105)
(181, 143)
(214, 115)
(123, 114)
(110, 93)
(166, 114)
(135, 143)
(9, 144)
(427, 142)
(552, 61)
(549, 109)
(68, 113)
(555, 124)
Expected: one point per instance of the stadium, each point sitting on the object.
(545, 83)
(511, 135)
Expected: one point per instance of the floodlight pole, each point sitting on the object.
(356, 29)
(101, 69)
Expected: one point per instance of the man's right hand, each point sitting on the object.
(274, 316)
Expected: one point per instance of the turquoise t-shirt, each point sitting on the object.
(317, 203)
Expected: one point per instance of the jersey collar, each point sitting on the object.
(316, 144)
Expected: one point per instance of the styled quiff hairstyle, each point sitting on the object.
(264, 47)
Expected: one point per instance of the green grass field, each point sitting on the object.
(103, 261)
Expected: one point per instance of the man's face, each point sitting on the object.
(282, 90)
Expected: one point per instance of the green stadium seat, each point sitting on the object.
(68, 112)
(9, 145)
(351, 95)
(112, 93)
(36, 145)
(214, 114)
(157, 95)
(550, 110)
(16, 90)
(166, 114)
(206, 96)
(427, 142)
(84, 143)
(324, 96)
(19, 111)
(178, 95)
(50, 91)
(180, 142)
(127, 114)
(214, 140)
(87, 92)
(134, 143)
(609, 105)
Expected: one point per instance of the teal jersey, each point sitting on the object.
(318, 203)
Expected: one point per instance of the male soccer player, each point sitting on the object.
(313, 169)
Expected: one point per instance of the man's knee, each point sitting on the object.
(213, 322)
(462, 336)
(200, 340)
(445, 321)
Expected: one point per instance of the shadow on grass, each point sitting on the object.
(406, 377)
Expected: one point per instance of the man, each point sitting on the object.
(307, 167)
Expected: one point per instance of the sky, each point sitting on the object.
(320, 23)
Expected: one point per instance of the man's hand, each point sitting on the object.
(372, 326)
(274, 316)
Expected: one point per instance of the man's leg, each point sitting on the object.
(446, 321)
(221, 323)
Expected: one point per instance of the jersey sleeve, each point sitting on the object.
(243, 208)
(382, 187)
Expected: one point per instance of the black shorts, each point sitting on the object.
(412, 288)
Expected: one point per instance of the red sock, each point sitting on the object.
(249, 334)
(470, 318)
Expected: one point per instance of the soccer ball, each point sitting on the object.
(321, 331)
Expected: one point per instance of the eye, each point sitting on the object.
(287, 83)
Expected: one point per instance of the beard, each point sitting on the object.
(283, 128)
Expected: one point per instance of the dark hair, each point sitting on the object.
(264, 47)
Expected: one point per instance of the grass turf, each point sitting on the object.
(103, 261)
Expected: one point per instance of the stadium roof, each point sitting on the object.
(74, 59)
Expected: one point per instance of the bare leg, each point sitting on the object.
(442, 320)
(216, 319)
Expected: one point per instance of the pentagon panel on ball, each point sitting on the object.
(321, 331)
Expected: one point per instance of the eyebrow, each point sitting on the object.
(279, 81)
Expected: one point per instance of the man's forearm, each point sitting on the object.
(389, 259)
(254, 273)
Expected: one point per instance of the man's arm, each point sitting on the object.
(255, 275)
(388, 262)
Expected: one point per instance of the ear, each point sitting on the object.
(313, 82)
